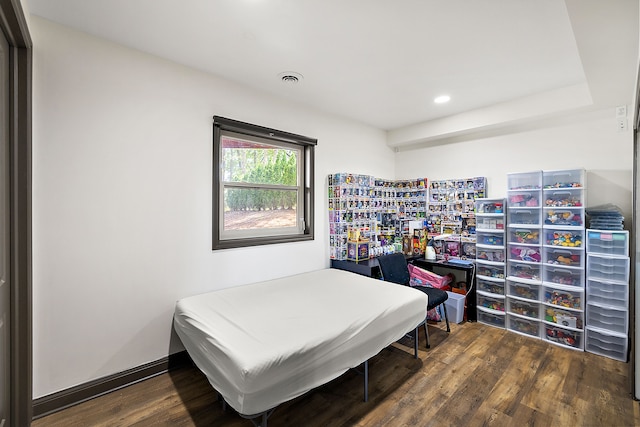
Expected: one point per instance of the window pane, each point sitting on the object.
(258, 162)
(255, 208)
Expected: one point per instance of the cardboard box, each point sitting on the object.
(455, 307)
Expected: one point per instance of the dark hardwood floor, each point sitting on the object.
(475, 376)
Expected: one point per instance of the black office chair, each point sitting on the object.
(394, 269)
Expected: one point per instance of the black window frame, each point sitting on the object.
(307, 145)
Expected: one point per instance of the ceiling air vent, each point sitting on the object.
(290, 77)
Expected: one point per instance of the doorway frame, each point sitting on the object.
(14, 26)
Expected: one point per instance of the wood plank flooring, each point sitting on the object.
(475, 376)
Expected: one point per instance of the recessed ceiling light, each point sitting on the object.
(290, 77)
(442, 99)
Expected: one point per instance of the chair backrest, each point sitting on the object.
(394, 268)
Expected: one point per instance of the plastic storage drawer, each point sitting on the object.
(527, 236)
(524, 199)
(566, 217)
(525, 272)
(563, 238)
(564, 297)
(608, 318)
(490, 301)
(614, 243)
(563, 276)
(489, 223)
(565, 198)
(491, 286)
(563, 178)
(523, 308)
(606, 344)
(524, 217)
(494, 271)
(522, 253)
(605, 293)
(567, 257)
(607, 268)
(523, 290)
(563, 317)
(490, 239)
(563, 337)
(530, 327)
(524, 180)
(490, 206)
(493, 319)
(489, 254)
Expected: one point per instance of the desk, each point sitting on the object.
(366, 267)
(469, 271)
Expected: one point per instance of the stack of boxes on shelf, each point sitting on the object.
(564, 194)
(490, 261)
(451, 216)
(607, 315)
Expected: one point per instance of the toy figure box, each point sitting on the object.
(357, 251)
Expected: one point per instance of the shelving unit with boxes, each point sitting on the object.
(490, 261)
(450, 212)
(563, 229)
(524, 252)
(607, 313)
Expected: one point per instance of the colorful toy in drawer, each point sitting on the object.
(489, 271)
(523, 200)
(563, 336)
(492, 287)
(489, 239)
(490, 255)
(524, 253)
(526, 236)
(564, 185)
(563, 299)
(490, 303)
(524, 291)
(524, 272)
(563, 259)
(571, 239)
(563, 218)
(524, 308)
(564, 200)
(563, 318)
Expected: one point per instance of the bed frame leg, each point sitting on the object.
(415, 342)
(366, 380)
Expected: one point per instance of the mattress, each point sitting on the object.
(266, 343)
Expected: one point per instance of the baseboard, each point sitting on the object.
(72, 396)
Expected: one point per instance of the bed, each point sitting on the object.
(266, 343)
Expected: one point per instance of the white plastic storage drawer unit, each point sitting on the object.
(564, 237)
(490, 285)
(565, 217)
(567, 257)
(563, 317)
(564, 296)
(605, 343)
(524, 217)
(524, 326)
(523, 308)
(526, 273)
(613, 294)
(492, 271)
(491, 318)
(607, 268)
(527, 291)
(558, 275)
(491, 302)
(563, 337)
(614, 243)
(609, 318)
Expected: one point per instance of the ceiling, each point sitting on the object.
(383, 62)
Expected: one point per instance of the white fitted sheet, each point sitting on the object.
(266, 343)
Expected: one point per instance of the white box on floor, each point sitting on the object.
(455, 307)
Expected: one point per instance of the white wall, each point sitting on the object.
(122, 157)
(589, 140)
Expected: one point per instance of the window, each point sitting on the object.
(262, 185)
